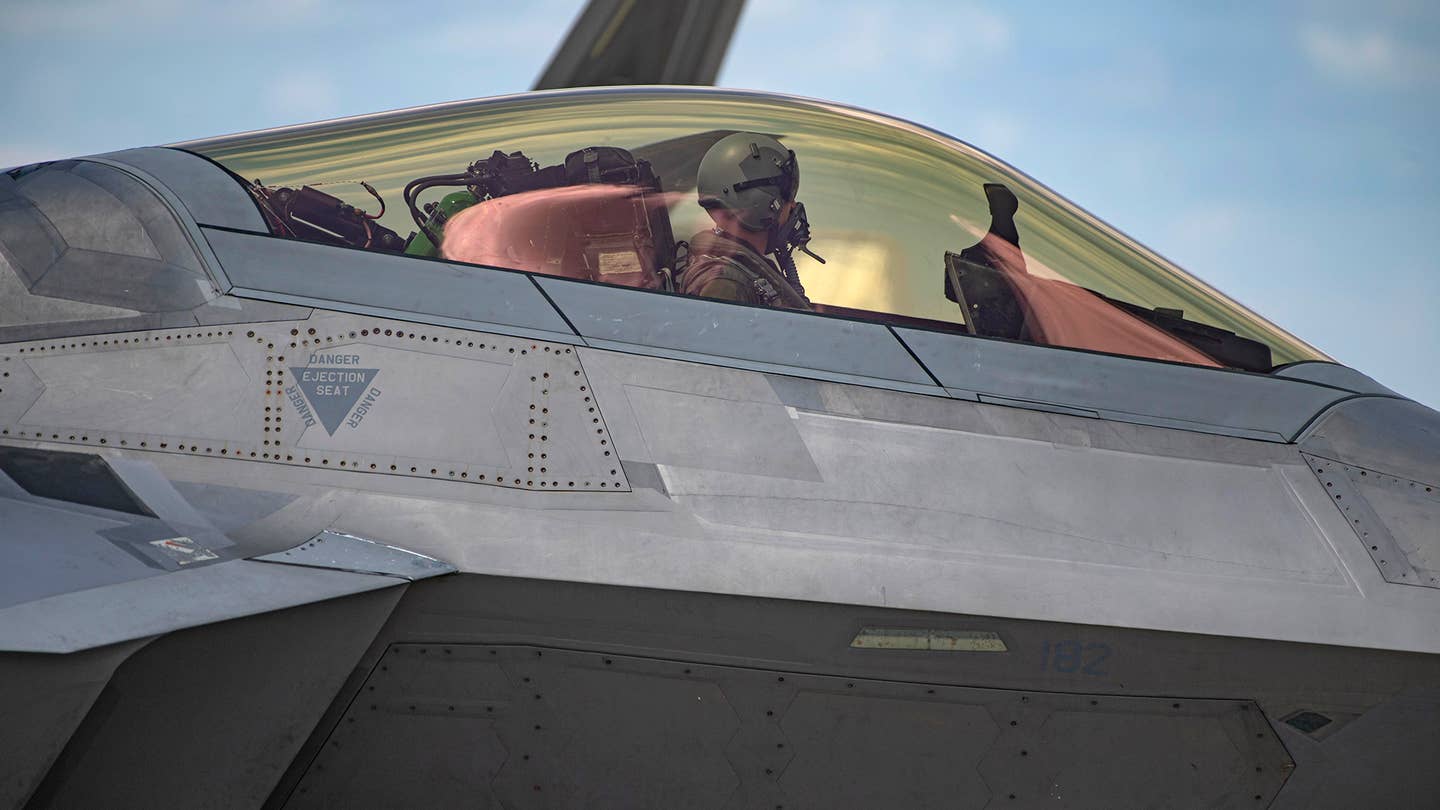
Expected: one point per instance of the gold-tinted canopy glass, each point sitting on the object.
(917, 228)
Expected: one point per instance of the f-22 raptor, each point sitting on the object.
(522, 452)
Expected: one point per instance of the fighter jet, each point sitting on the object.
(522, 452)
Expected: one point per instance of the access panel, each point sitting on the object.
(518, 726)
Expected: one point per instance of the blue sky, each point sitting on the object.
(1285, 152)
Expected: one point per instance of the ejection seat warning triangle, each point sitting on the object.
(332, 390)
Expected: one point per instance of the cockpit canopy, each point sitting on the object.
(918, 229)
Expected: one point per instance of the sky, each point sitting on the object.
(1285, 152)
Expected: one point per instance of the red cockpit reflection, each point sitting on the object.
(598, 232)
(1059, 313)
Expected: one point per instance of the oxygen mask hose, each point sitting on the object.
(794, 235)
(785, 258)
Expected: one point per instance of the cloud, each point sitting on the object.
(1215, 240)
(1391, 10)
(479, 38)
(1369, 57)
(998, 133)
(985, 30)
(23, 154)
(539, 27)
(1209, 226)
(846, 38)
(303, 96)
(33, 18)
(1135, 76)
(93, 16)
(969, 32)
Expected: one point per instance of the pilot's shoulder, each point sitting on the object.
(707, 267)
(716, 277)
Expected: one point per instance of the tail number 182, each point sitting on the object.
(1072, 657)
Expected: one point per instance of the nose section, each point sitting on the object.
(1379, 458)
(81, 240)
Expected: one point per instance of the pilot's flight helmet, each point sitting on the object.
(751, 175)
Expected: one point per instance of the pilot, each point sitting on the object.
(748, 182)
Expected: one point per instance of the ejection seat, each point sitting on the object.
(598, 217)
